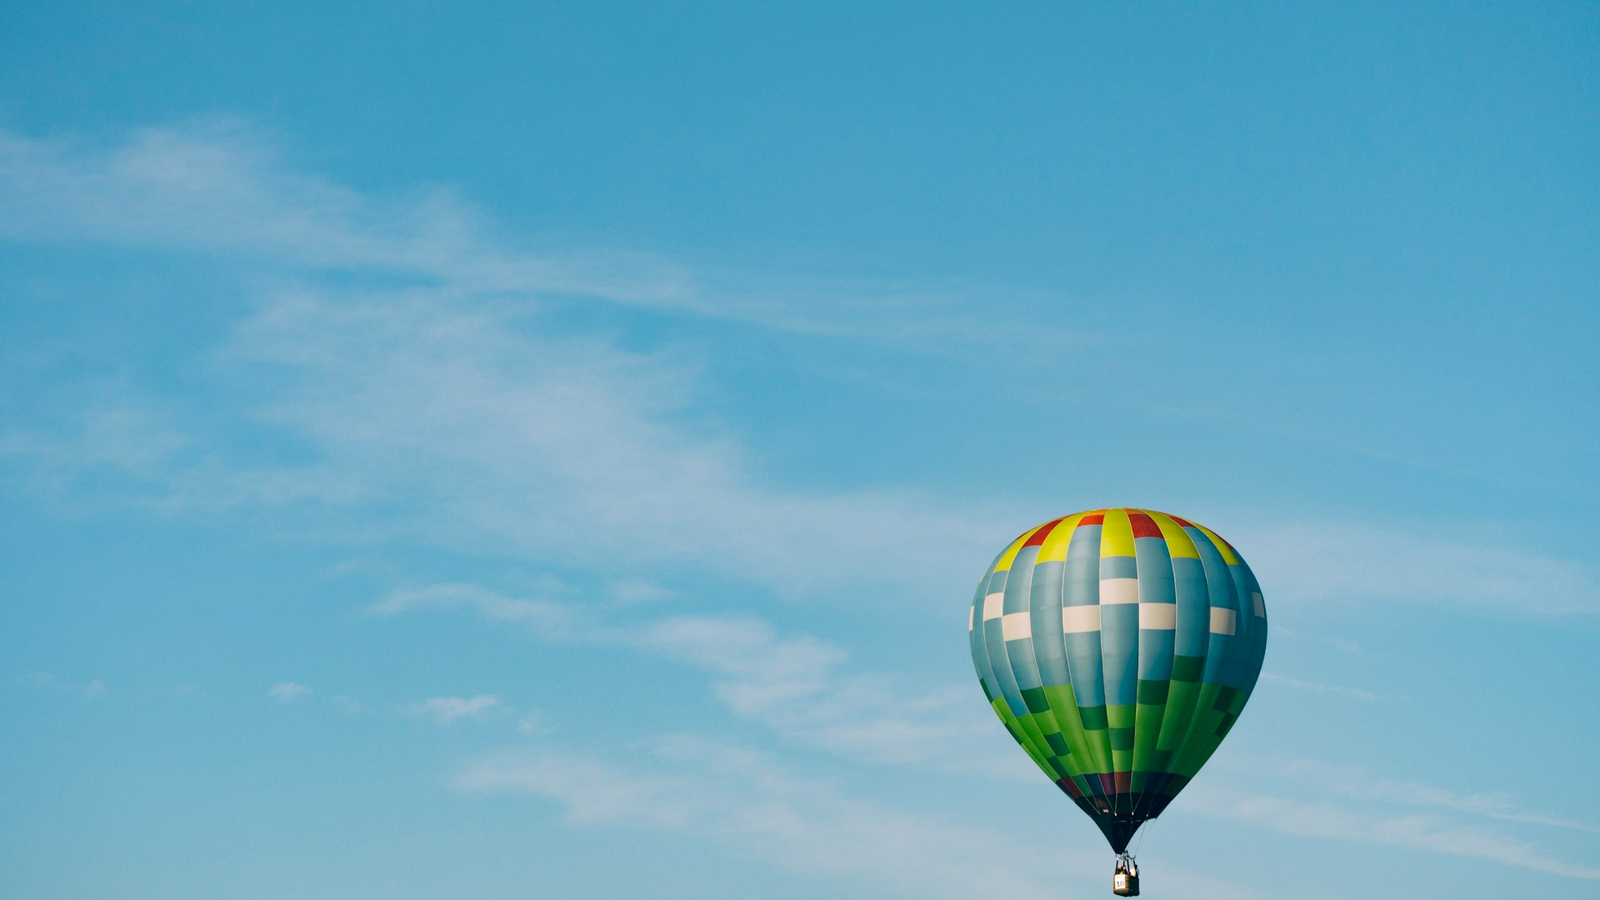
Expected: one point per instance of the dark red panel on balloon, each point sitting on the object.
(1143, 525)
(1041, 534)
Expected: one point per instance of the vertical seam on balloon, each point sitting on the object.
(1198, 711)
(1078, 739)
(1033, 640)
(1172, 531)
(1098, 743)
(1105, 674)
(1139, 800)
(1038, 673)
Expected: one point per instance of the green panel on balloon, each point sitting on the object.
(1068, 716)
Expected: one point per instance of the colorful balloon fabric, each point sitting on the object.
(1118, 646)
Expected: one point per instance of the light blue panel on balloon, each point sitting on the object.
(1193, 635)
(1049, 650)
(1119, 651)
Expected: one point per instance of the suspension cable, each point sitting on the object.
(1148, 824)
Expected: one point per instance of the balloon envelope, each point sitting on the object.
(1118, 646)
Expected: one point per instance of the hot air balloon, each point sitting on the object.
(1118, 646)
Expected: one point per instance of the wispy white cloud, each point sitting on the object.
(1343, 645)
(1360, 783)
(1428, 832)
(449, 710)
(1325, 562)
(753, 808)
(347, 704)
(458, 426)
(545, 617)
(796, 684)
(403, 395)
(1315, 437)
(756, 669)
(533, 722)
(223, 187)
(129, 438)
(591, 791)
(287, 691)
(1333, 689)
(49, 682)
(631, 591)
(502, 438)
(750, 806)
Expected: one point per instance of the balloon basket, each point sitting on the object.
(1125, 880)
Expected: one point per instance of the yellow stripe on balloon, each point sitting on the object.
(1056, 543)
(1116, 535)
(1007, 557)
(1228, 556)
(1178, 541)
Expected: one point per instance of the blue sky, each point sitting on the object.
(548, 450)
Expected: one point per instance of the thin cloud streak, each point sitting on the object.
(1325, 562)
(748, 805)
(794, 684)
(460, 427)
(555, 620)
(1333, 689)
(1418, 831)
(536, 443)
(222, 187)
(448, 710)
(1360, 783)
(48, 682)
(753, 808)
(287, 691)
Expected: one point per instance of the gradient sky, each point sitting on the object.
(548, 450)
